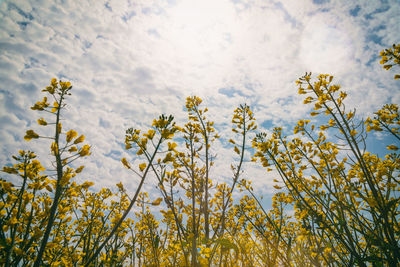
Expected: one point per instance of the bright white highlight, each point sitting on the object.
(200, 30)
(325, 48)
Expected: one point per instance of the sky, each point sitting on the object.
(131, 60)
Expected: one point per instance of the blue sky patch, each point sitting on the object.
(375, 38)
(19, 10)
(230, 92)
(114, 154)
(108, 7)
(86, 44)
(377, 11)
(320, 2)
(22, 24)
(354, 12)
(128, 16)
(267, 124)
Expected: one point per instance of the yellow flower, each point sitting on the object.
(80, 139)
(128, 146)
(87, 184)
(171, 146)
(65, 85)
(308, 100)
(71, 134)
(150, 134)
(120, 186)
(168, 158)
(54, 82)
(324, 127)
(51, 245)
(66, 177)
(49, 89)
(387, 67)
(30, 134)
(350, 115)
(48, 187)
(6, 186)
(78, 170)
(10, 170)
(41, 121)
(84, 151)
(54, 148)
(142, 166)
(126, 163)
(55, 107)
(392, 147)
(13, 220)
(156, 202)
(302, 91)
(301, 238)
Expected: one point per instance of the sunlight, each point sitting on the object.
(200, 30)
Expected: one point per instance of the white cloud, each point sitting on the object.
(326, 47)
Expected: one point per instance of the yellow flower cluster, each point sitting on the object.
(335, 203)
(388, 55)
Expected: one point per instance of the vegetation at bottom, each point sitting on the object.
(337, 204)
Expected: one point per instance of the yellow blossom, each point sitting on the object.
(156, 202)
(71, 134)
(42, 122)
(126, 163)
(142, 166)
(30, 134)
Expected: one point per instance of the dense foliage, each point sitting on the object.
(337, 203)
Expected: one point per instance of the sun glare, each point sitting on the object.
(200, 29)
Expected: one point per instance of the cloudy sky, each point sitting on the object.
(131, 60)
